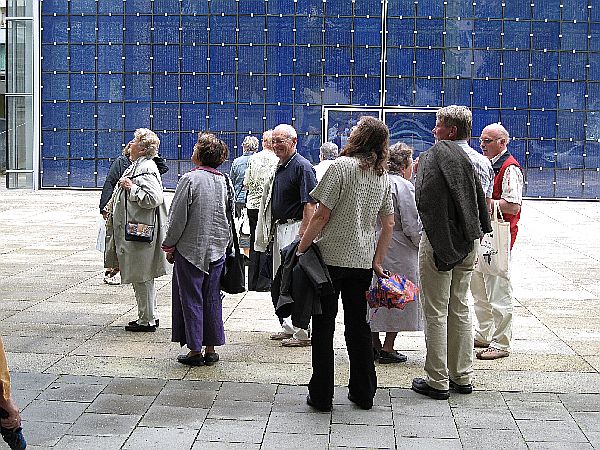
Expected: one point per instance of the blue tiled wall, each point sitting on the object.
(239, 67)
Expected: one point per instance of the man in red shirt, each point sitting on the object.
(493, 294)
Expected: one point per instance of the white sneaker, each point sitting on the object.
(115, 280)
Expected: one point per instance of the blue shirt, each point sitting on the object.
(291, 188)
(238, 169)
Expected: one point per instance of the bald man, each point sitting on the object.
(492, 294)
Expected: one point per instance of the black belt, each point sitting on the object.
(286, 221)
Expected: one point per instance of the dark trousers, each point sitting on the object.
(256, 282)
(352, 284)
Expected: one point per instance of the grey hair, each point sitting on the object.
(148, 140)
(329, 150)
(287, 129)
(500, 129)
(250, 144)
(459, 117)
(400, 157)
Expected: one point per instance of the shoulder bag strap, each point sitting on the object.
(229, 213)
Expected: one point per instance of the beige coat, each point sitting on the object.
(138, 261)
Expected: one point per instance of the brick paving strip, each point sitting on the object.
(83, 382)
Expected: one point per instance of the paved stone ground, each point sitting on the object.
(83, 382)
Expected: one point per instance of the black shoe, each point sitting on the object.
(322, 408)
(391, 357)
(376, 354)
(134, 322)
(136, 327)
(461, 388)
(211, 358)
(420, 385)
(361, 405)
(196, 360)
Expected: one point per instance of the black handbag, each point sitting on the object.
(233, 277)
(139, 232)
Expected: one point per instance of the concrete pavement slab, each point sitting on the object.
(238, 431)
(69, 442)
(240, 410)
(276, 441)
(174, 417)
(144, 438)
(91, 424)
(120, 404)
(491, 439)
(378, 436)
(551, 431)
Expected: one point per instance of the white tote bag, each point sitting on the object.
(100, 240)
(493, 255)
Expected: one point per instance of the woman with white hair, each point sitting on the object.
(138, 220)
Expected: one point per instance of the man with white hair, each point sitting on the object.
(493, 294)
(327, 154)
(287, 206)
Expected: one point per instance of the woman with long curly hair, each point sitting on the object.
(353, 193)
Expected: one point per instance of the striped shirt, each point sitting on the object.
(482, 166)
(356, 197)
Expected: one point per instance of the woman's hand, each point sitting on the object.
(14, 418)
(126, 183)
(170, 257)
(379, 271)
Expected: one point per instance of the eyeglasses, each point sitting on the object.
(488, 141)
(280, 141)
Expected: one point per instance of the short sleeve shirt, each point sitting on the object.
(356, 198)
(291, 188)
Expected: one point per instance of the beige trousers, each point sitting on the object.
(145, 295)
(448, 322)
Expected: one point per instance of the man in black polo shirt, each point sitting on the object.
(291, 210)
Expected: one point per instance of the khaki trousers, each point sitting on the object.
(145, 295)
(493, 309)
(448, 322)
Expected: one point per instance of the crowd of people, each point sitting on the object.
(365, 212)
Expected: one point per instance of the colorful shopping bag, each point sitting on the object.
(393, 292)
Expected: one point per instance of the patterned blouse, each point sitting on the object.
(356, 198)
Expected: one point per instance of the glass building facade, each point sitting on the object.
(240, 67)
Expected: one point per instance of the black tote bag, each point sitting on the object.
(233, 277)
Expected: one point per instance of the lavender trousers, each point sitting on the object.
(197, 306)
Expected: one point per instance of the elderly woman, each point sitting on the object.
(196, 242)
(402, 257)
(115, 172)
(138, 223)
(353, 193)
